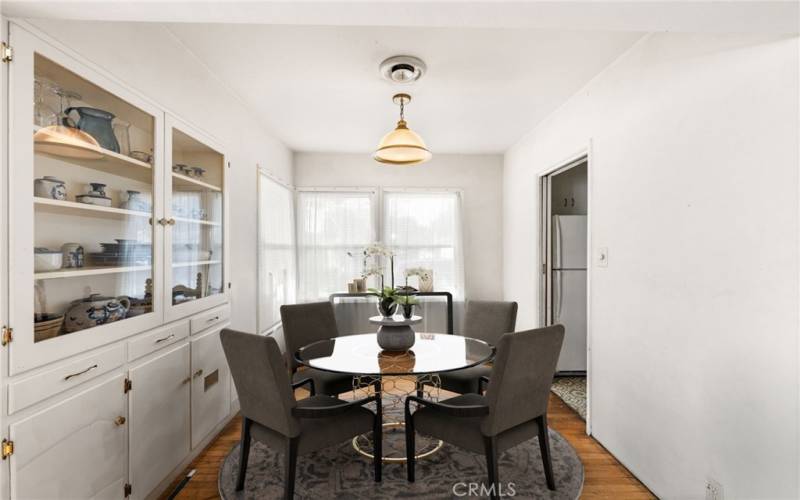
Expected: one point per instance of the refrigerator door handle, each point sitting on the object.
(556, 242)
(557, 292)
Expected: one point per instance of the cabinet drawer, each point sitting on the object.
(211, 318)
(26, 392)
(155, 340)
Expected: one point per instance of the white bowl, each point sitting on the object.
(49, 261)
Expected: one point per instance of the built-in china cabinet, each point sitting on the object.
(113, 373)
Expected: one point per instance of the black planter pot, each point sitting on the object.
(387, 307)
(408, 310)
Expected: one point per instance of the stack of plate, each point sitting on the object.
(123, 253)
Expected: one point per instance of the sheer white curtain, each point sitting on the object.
(276, 260)
(332, 230)
(424, 230)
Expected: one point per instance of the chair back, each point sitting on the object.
(304, 324)
(259, 374)
(488, 320)
(522, 373)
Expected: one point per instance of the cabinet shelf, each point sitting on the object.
(87, 271)
(193, 184)
(84, 209)
(111, 162)
(196, 263)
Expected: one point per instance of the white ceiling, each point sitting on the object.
(318, 88)
(309, 69)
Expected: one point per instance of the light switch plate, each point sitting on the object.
(602, 257)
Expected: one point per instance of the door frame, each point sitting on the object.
(545, 258)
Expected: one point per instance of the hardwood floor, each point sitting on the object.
(605, 477)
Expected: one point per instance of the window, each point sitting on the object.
(424, 230)
(332, 230)
(276, 251)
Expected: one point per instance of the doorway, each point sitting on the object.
(564, 284)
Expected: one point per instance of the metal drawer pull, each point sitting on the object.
(80, 373)
(215, 318)
(171, 222)
(186, 380)
(119, 421)
(171, 336)
(198, 373)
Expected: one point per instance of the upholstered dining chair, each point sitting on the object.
(487, 321)
(272, 415)
(302, 325)
(513, 410)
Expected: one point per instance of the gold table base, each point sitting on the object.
(394, 389)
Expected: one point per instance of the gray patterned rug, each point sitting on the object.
(339, 472)
(572, 391)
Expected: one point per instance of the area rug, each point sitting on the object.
(572, 391)
(339, 472)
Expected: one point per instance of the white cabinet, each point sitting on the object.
(195, 243)
(210, 385)
(159, 411)
(74, 449)
(128, 219)
(129, 211)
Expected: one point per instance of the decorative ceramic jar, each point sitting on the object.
(135, 202)
(50, 187)
(73, 255)
(97, 196)
(426, 281)
(95, 310)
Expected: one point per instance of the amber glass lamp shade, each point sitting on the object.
(69, 142)
(402, 146)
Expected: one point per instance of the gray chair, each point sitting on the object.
(271, 414)
(487, 321)
(307, 323)
(513, 410)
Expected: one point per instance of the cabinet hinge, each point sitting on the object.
(6, 52)
(128, 385)
(128, 490)
(8, 335)
(8, 448)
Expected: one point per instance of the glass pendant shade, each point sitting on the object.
(402, 146)
(70, 142)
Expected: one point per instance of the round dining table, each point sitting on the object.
(395, 375)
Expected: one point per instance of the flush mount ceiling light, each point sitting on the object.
(402, 146)
(403, 69)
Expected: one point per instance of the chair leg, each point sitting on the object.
(377, 435)
(244, 453)
(420, 389)
(544, 447)
(410, 444)
(291, 468)
(490, 445)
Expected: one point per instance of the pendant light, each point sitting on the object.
(402, 146)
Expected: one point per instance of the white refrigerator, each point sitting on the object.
(568, 304)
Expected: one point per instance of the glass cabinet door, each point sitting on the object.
(195, 244)
(83, 198)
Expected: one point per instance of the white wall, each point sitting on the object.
(480, 177)
(150, 60)
(694, 363)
